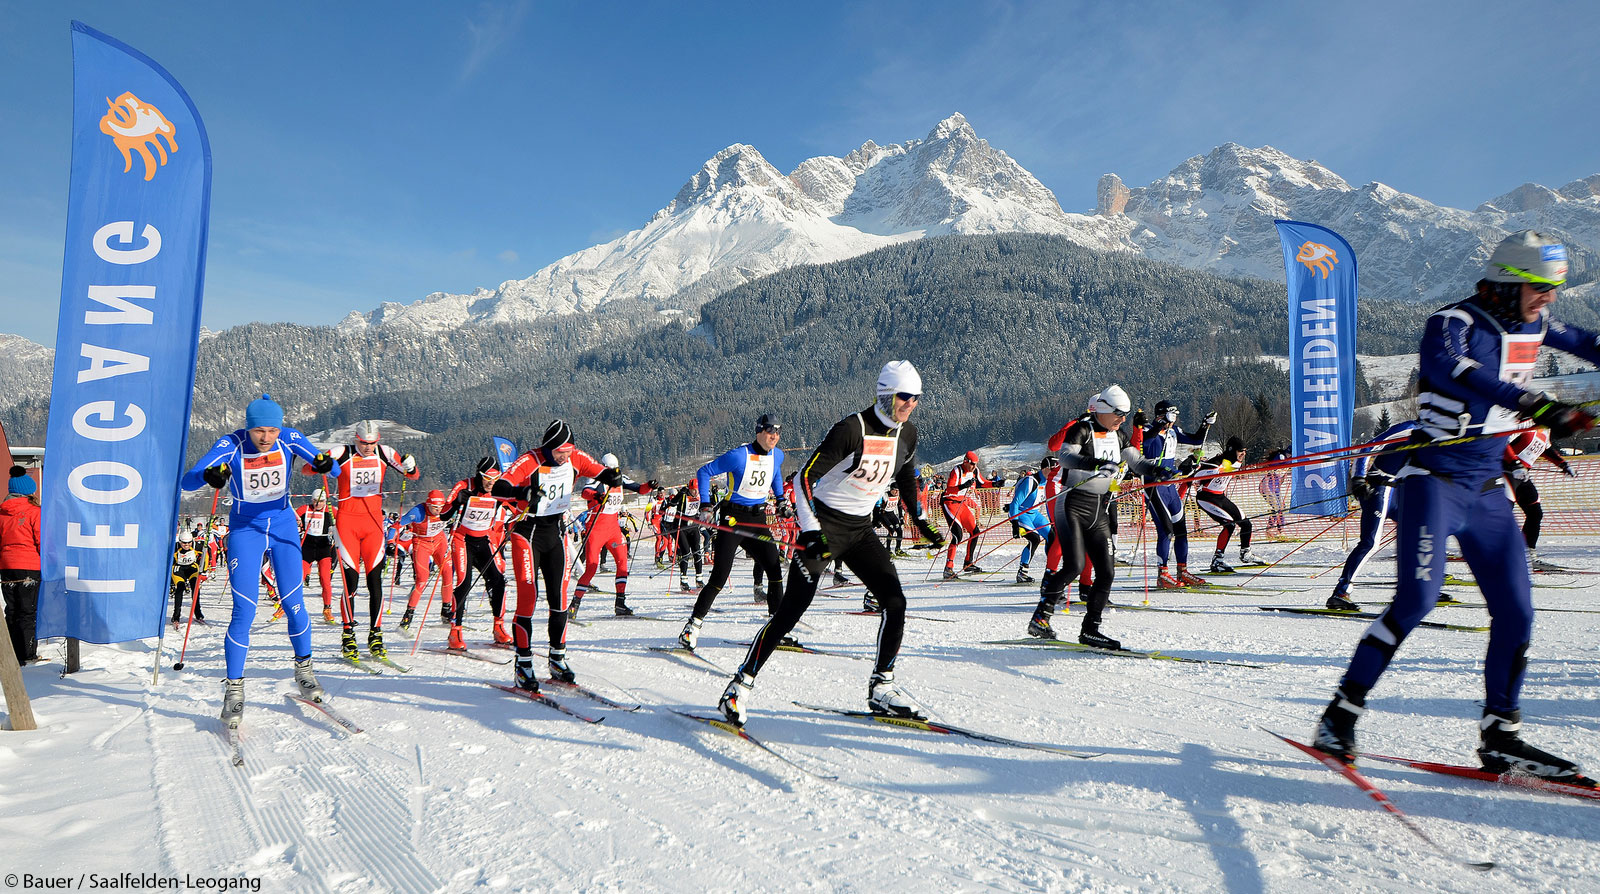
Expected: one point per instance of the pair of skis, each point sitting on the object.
(1068, 646)
(233, 736)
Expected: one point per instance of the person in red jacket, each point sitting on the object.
(604, 534)
(541, 483)
(480, 533)
(961, 511)
(1522, 451)
(19, 562)
(359, 529)
(430, 542)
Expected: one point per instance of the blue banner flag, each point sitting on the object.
(1321, 269)
(126, 344)
(504, 452)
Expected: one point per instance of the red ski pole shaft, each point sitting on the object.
(1336, 522)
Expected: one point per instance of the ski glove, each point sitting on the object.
(1155, 472)
(1563, 419)
(1211, 418)
(1107, 468)
(813, 547)
(1188, 465)
(610, 478)
(934, 538)
(217, 476)
(322, 463)
(648, 486)
(1016, 531)
(408, 464)
(1360, 488)
(997, 481)
(1139, 420)
(1569, 471)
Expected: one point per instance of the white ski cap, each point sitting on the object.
(367, 430)
(609, 460)
(899, 377)
(1111, 400)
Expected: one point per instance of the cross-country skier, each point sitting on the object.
(1027, 513)
(1522, 451)
(316, 546)
(755, 470)
(480, 521)
(1372, 483)
(430, 542)
(541, 481)
(960, 505)
(254, 463)
(1161, 442)
(185, 575)
(834, 494)
(886, 515)
(603, 533)
(1213, 500)
(678, 519)
(359, 529)
(1476, 357)
(1092, 450)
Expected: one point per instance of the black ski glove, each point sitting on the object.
(217, 476)
(934, 538)
(1563, 419)
(609, 477)
(322, 463)
(813, 547)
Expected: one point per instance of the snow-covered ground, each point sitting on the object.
(455, 786)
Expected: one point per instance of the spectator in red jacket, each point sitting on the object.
(19, 562)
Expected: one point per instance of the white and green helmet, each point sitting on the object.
(1528, 256)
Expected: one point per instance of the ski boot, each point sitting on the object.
(690, 637)
(685, 586)
(456, 640)
(1039, 626)
(375, 644)
(347, 646)
(972, 568)
(306, 681)
(1446, 599)
(327, 616)
(1218, 566)
(1122, 557)
(1190, 580)
(577, 602)
(560, 670)
(950, 573)
(1336, 731)
(869, 604)
(198, 614)
(501, 635)
(1090, 635)
(1503, 751)
(1023, 577)
(1246, 557)
(734, 698)
(1340, 602)
(526, 679)
(789, 641)
(840, 579)
(1165, 581)
(232, 702)
(760, 593)
(447, 613)
(621, 609)
(886, 698)
(1535, 565)
(405, 619)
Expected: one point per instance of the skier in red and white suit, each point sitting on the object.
(430, 541)
(475, 546)
(359, 530)
(541, 482)
(1522, 451)
(605, 534)
(961, 510)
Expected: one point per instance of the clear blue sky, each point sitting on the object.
(367, 152)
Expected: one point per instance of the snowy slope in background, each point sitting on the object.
(457, 787)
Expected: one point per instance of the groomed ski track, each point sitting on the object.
(454, 786)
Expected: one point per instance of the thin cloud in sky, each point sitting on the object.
(509, 256)
(491, 31)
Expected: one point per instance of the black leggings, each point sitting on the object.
(1533, 514)
(763, 553)
(347, 603)
(1080, 529)
(1219, 507)
(21, 589)
(688, 546)
(480, 558)
(852, 540)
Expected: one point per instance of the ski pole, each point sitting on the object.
(178, 665)
(1336, 522)
(1340, 564)
(425, 609)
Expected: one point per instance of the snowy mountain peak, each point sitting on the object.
(954, 126)
(737, 167)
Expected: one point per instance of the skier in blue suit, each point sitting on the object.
(1026, 511)
(1372, 483)
(255, 463)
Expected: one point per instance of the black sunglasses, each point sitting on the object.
(770, 429)
(907, 397)
(1542, 287)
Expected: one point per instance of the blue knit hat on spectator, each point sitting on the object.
(263, 413)
(21, 484)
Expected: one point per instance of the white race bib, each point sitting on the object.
(265, 478)
(316, 523)
(366, 476)
(757, 480)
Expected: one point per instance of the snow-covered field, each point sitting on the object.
(456, 786)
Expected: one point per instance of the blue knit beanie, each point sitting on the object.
(263, 413)
(21, 484)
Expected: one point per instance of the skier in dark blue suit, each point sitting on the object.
(1161, 442)
(1476, 356)
(1372, 484)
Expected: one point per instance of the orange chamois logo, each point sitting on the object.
(1318, 258)
(134, 125)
